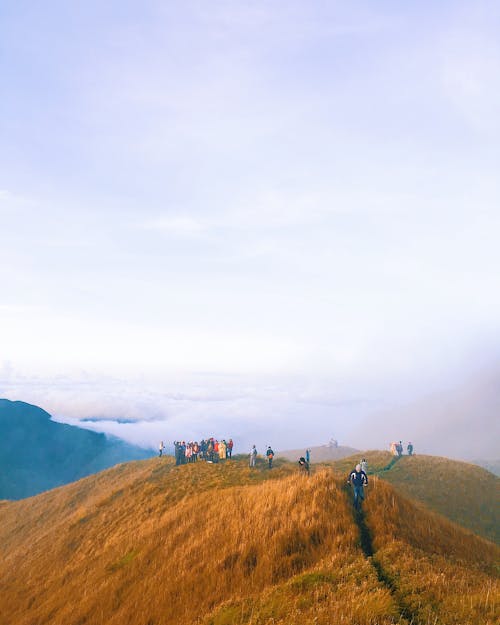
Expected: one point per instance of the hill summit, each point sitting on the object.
(151, 543)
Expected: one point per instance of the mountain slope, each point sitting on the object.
(462, 492)
(148, 543)
(37, 454)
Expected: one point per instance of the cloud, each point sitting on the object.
(453, 415)
(460, 421)
(471, 67)
(177, 226)
(258, 410)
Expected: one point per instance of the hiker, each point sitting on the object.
(253, 456)
(270, 456)
(304, 465)
(409, 449)
(161, 447)
(210, 450)
(364, 465)
(358, 479)
(399, 448)
(230, 445)
(177, 449)
(308, 456)
(222, 449)
(393, 449)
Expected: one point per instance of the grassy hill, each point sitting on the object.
(149, 543)
(37, 454)
(462, 492)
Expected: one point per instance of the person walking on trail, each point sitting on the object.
(358, 480)
(409, 449)
(161, 447)
(270, 456)
(364, 465)
(253, 456)
(303, 465)
(230, 445)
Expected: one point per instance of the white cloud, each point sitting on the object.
(471, 67)
(180, 226)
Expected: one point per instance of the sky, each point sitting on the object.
(276, 220)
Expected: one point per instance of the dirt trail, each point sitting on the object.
(384, 577)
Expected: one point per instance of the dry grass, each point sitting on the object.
(149, 543)
(442, 573)
(462, 492)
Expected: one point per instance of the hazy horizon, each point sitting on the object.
(262, 218)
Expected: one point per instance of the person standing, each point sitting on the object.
(358, 480)
(270, 456)
(308, 456)
(253, 456)
(230, 445)
(364, 465)
(409, 449)
(161, 447)
(210, 450)
(222, 449)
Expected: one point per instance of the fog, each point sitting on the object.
(455, 415)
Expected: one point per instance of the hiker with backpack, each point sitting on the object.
(358, 480)
(270, 456)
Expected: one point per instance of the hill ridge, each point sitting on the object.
(149, 542)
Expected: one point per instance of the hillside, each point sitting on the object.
(462, 492)
(148, 543)
(37, 454)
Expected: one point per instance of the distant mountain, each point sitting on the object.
(322, 453)
(37, 454)
(493, 466)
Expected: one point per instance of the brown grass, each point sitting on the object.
(464, 493)
(148, 543)
(443, 574)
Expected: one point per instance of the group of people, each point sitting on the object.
(397, 449)
(209, 449)
(213, 450)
